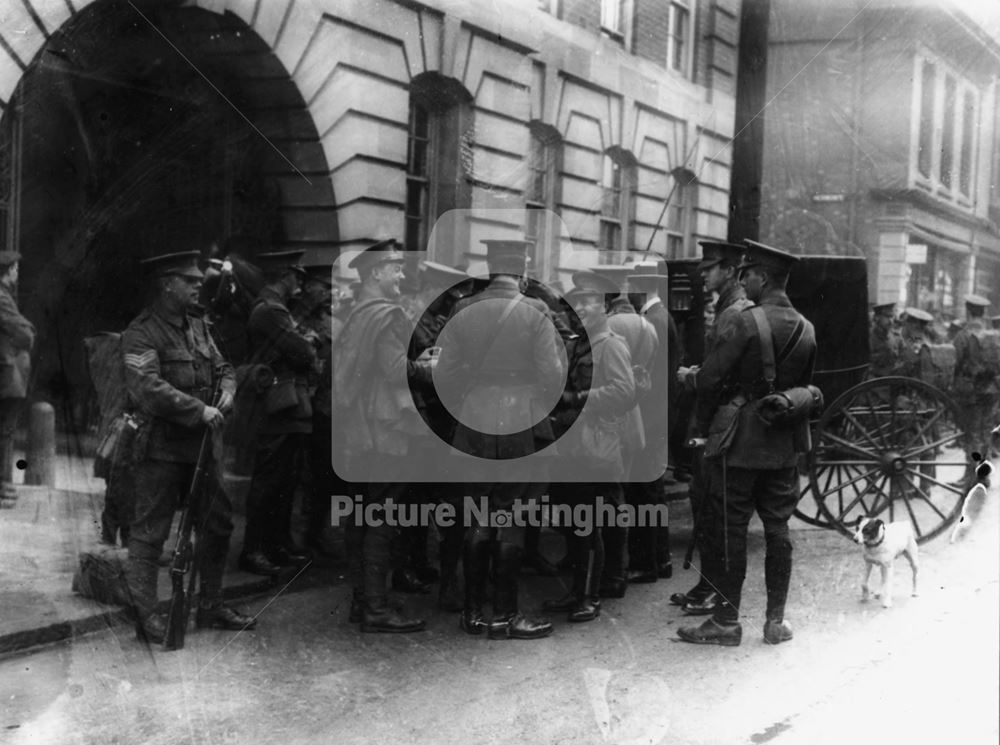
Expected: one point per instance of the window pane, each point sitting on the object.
(678, 37)
(611, 15)
(926, 120)
(610, 235)
(418, 139)
(948, 131)
(968, 133)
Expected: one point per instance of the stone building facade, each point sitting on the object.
(882, 139)
(571, 121)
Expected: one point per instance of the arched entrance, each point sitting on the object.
(140, 129)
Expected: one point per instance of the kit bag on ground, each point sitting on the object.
(100, 575)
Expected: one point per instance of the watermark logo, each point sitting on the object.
(581, 518)
(499, 345)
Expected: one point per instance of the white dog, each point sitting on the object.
(975, 498)
(882, 543)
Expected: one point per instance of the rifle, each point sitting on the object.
(183, 561)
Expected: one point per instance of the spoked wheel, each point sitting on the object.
(808, 509)
(891, 448)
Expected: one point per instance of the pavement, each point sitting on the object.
(43, 535)
(41, 539)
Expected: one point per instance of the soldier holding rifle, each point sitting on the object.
(172, 366)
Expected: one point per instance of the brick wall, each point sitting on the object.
(652, 24)
(584, 13)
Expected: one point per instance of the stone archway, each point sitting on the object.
(145, 127)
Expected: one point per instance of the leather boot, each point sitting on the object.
(519, 626)
(386, 620)
(219, 616)
(507, 622)
(589, 606)
(151, 629)
(713, 632)
(475, 565)
(777, 631)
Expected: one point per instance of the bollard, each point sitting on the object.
(41, 454)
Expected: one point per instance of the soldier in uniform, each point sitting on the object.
(718, 269)
(758, 470)
(976, 379)
(374, 411)
(312, 313)
(915, 333)
(440, 288)
(500, 358)
(17, 337)
(649, 547)
(602, 391)
(885, 342)
(172, 368)
(642, 342)
(283, 434)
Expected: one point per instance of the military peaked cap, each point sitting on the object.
(918, 315)
(180, 264)
(593, 283)
(322, 273)
(441, 275)
(383, 252)
(884, 308)
(977, 301)
(646, 274)
(768, 257)
(617, 273)
(719, 252)
(276, 260)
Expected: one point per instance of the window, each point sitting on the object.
(926, 120)
(617, 203)
(611, 16)
(948, 132)
(438, 155)
(679, 211)
(968, 133)
(540, 192)
(417, 177)
(677, 41)
(945, 149)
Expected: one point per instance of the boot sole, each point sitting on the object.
(719, 642)
(369, 629)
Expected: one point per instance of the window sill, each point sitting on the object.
(616, 36)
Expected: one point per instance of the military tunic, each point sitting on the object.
(758, 473)
(171, 369)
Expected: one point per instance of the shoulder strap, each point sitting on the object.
(759, 320)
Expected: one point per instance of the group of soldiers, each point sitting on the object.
(453, 387)
(969, 352)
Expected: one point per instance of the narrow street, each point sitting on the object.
(925, 671)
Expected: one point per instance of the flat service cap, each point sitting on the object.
(720, 252)
(180, 264)
(918, 315)
(383, 252)
(769, 257)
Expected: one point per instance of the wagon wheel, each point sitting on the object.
(808, 509)
(892, 448)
